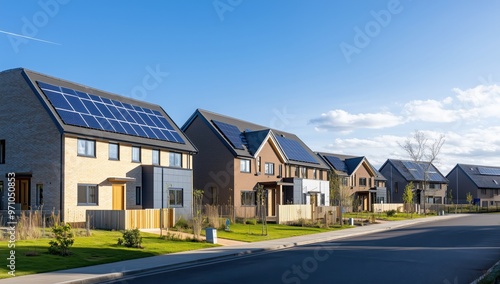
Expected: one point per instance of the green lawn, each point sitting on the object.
(100, 248)
(253, 233)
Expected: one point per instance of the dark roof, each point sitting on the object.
(252, 136)
(32, 78)
(414, 171)
(481, 176)
(347, 164)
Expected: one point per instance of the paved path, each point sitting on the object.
(99, 273)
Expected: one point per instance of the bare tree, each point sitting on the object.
(421, 150)
(340, 195)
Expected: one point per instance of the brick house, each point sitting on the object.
(235, 157)
(364, 183)
(73, 148)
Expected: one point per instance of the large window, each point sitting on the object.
(175, 159)
(87, 194)
(244, 166)
(156, 157)
(248, 198)
(175, 196)
(362, 181)
(136, 154)
(269, 168)
(2, 151)
(114, 151)
(138, 195)
(435, 186)
(86, 148)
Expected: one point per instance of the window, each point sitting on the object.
(259, 165)
(297, 171)
(86, 148)
(435, 186)
(362, 181)
(114, 151)
(156, 157)
(483, 191)
(138, 195)
(323, 199)
(248, 198)
(136, 154)
(280, 171)
(175, 159)
(215, 195)
(2, 151)
(39, 195)
(87, 194)
(345, 181)
(175, 196)
(245, 166)
(315, 173)
(1, 187)
(396, 187)
(303, 172)
(269, 168)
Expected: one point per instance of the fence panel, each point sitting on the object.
(291, 213)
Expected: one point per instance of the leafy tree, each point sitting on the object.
(408, 196)
(64, 240)
(469, 199)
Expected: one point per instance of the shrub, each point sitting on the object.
(64, 240)
(131, 239)
(251, 222)
(182, 224)
(391, 213)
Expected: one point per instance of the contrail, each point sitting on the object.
(27, 37)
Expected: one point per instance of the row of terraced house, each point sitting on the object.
(74, 148)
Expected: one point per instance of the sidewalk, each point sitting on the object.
(220, 241)
(98, 273)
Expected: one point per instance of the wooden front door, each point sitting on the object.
(23, 193)
(118, 197)
(271, 202)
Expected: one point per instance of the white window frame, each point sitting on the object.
(86, 148)
(136, 154)
(88, 194)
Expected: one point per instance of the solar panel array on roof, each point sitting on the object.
(489, 171)
(337, 163)
(294, 151)
(231, 132)
(91, 111)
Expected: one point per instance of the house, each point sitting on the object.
(400, 173)
(73, 148)
(482, 182)
(237, 157)
(363, 182)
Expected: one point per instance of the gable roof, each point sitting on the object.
(244, 139)
(348, 164)
(481, 176)
(82, 110)
(414, 171)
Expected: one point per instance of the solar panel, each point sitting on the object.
(489, 171)
(96, 112)
(294, 151)
(231, 132)
(337, 163)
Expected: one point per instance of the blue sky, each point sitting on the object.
(352, 77)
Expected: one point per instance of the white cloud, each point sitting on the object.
(340, 120)
(430, 111)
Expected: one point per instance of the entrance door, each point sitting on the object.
(271, 202)
(22, 193)
(118, 197)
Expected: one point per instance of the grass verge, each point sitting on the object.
(32, 255)
(253, 233)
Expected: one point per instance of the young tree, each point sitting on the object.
(340, 195)
(261, 199)
(469, 199)
(408, 197)
(420, 149)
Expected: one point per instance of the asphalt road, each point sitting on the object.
(452, 251)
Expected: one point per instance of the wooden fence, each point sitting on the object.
(130, 219)
(291, 213)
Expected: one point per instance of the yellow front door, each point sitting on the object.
(118, 197)
(24, 188)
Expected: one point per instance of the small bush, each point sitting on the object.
(131, 239)
(391, 213)
(64, 240)
(251, 222)
(182, 224)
